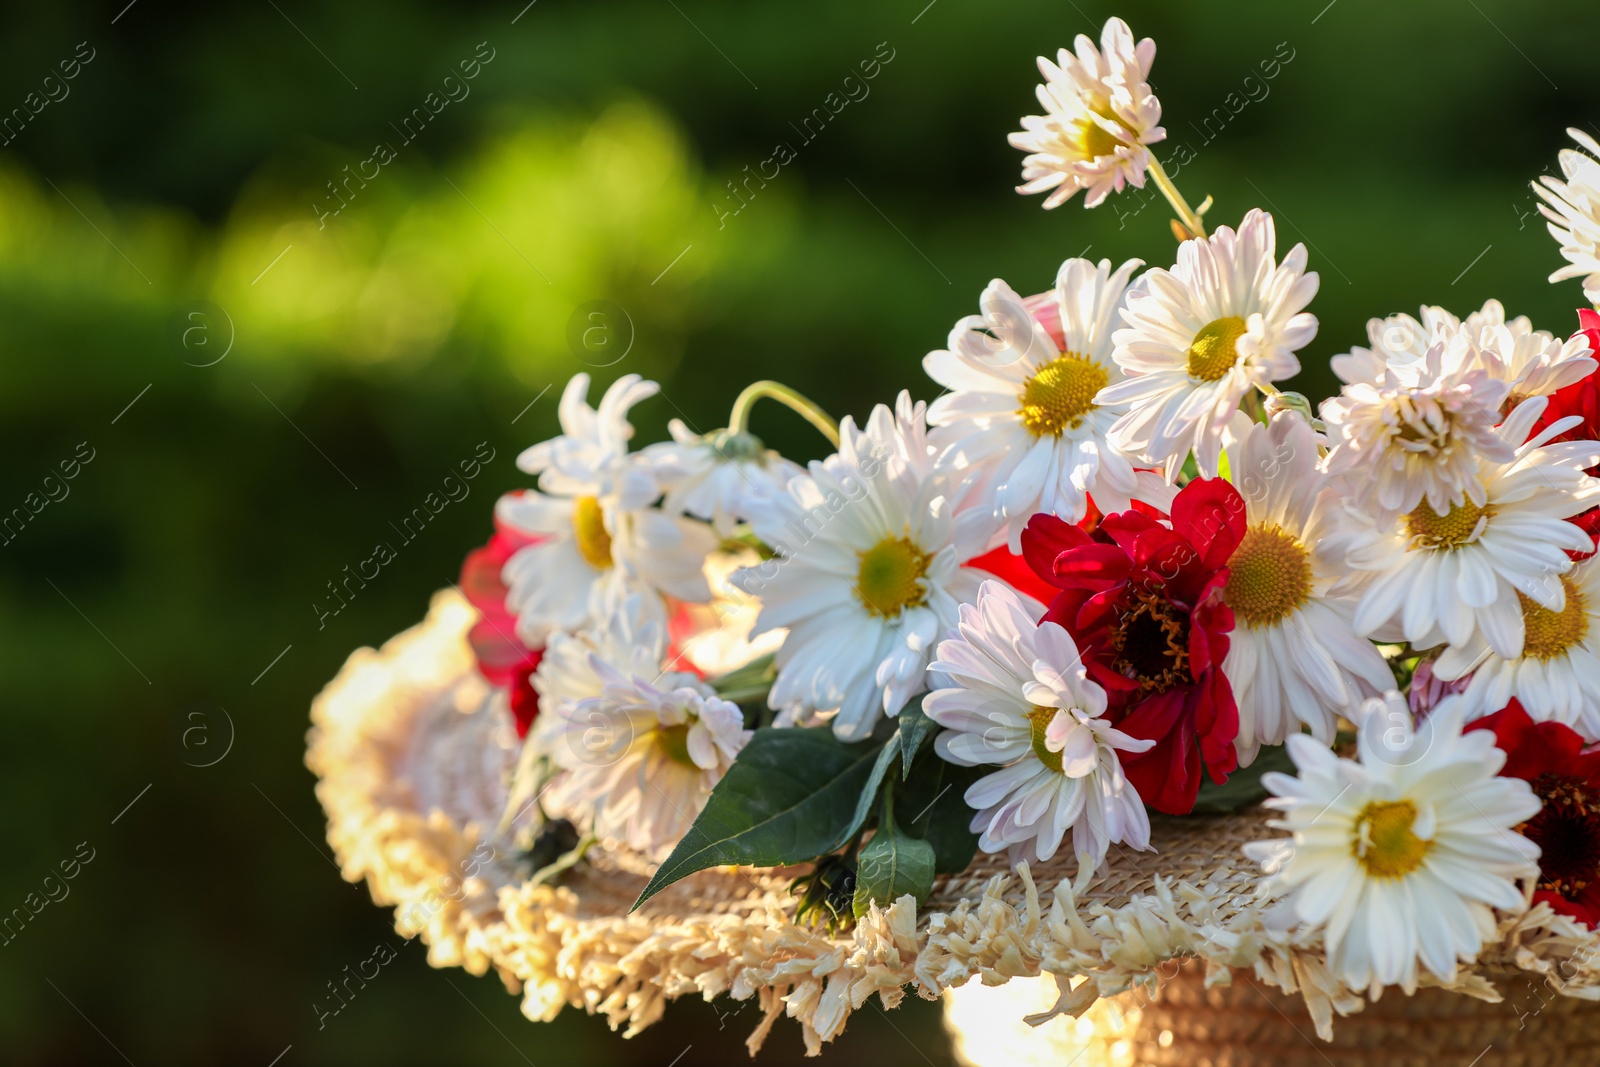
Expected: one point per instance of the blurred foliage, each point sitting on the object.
(590, 162)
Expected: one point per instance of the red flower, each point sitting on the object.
(1019, 573)
(503, 659)
(1015, 572)
(1581, 398)
(1549, 757)
(1143, 602)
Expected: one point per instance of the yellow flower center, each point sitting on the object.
(889, 578)
(1385, 843)
(1461, 526)
(1094, 138)
(1096, 141)
(1038, 722)
(1551, 633)
(1215, 349)
(1060, 394)
(1269, 576)
(673, 741)
(589, 529)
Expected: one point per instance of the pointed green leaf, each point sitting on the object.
(914, 729)
(752, 680)
(788, 798)
(869, 791)
(933, 806)
(891, 865)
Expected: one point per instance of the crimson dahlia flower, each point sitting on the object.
(1549, 756)
(1143, 602)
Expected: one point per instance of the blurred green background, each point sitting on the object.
(298, 379)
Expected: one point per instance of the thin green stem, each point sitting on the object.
(739, 418)
(1188, 216)
(1252, 406)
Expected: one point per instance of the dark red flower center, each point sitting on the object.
(1567, 831)
(1152, 642)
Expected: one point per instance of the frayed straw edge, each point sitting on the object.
(450, 887)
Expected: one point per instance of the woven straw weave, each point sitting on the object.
(412, 755)
(1246, 1024)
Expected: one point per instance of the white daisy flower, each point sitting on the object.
(1531, 362)
(593, 522)
(1403, 857)
(639, 761)
(1444, 576)
(1413, 432)
(868, 574)
(720, 478)
(1399, 340)
(624, 636)
(1021, 699)
(1294, 657)
(591, 455)
(1573, 208)
(1019, 419)
(1557, 677)
(1100, 119)
(1226, 319)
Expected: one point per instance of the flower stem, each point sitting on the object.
(1186, 214)
(739, 418)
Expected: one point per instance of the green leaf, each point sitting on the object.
(869, 791)
(914, 729)
(746, 538)
(788, 798)
(752, 680)
(1243, 788)
(933, 807)
(891, 865)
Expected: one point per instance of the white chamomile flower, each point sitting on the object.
(1021, 699)
(1403, 857)
(623, 636)
(1557, 677)
(593, 523)
(1531, 362)
(639, 760)
(1399, 340)
(1294, 657)
(1414, 432)
(1573, 208)
(1100, 119)
(1432, 576)
(591, 455)
(1225, 319)
(1019, 417)
(721, 478)
(868, 574)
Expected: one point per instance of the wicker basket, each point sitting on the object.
(412, 749)
(1246, 1024)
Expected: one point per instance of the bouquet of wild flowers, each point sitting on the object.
(1113, 569)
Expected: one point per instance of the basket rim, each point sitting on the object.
(727, 930)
